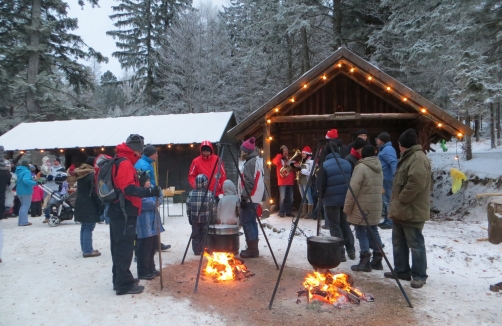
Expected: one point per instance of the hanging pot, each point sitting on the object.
(223, 238)
(223, 229)
(324, 252)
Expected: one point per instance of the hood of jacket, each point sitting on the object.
(373, 163)
(22, 169)
(201, 182)
(125, 151)
(146, 158)
(206, 143)
(83, 170)
(45, 159)
(229, 188)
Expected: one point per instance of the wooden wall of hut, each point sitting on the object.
(341, 94)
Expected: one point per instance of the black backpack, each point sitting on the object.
(103, 170)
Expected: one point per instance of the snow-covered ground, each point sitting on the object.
(45, 280)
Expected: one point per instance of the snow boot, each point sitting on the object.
(364, 263)
(303, 213)
(252, 250)
(309, 211)
(376, 261)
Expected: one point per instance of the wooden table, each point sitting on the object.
(165, 202)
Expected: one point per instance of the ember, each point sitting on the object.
(332, 289)
(223, 266)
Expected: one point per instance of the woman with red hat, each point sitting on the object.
(303, 175)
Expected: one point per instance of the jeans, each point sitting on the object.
(23, 210)
(387, 187)
(122, 246)
(146, 254)
(338, 226)
(286, 199)
(52, 201)
(308, 192)
(86, 237)
(364, 237)
(199, 230)
(248, 221)
(405, 238)
(104, 217)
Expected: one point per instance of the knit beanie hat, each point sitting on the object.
(283, 148)
(384, 137)
(143, 178)
(248, 146)
(149, 150)
(25, 163)
(368, 151)
(359, 143)
(3, 166)
(408, 138)
(89, 160)
(307, 150)
(135, 142)
(331, 134)
(362, 132)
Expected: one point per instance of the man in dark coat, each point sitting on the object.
(123, 228)
(355, 152)
(332, 188)
(87, 206)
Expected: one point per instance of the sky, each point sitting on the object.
(94, 23)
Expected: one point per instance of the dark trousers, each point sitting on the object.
(36, 208)
(198, 232)
(17, 206)
(146, 255)
(404, 239)
(338, 226)
(122, 246)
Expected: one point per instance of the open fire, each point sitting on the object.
(224, 266)
(332, 289)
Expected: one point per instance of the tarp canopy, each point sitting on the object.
(157, 129)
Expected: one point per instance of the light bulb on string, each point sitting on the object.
(271, 201)
(269, 121)
(276, 109)
(270, 138)
(324, 77)
(423, 110)
(440, 124)
(370, 78)
(292, 100)
(388, 88)
(305, 86)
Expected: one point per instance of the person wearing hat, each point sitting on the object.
(303, 175)
(24, 190)
(388, 157)
(55, 174)
(87, 206)
(409, 209)
(123, 222)
(285, 182)
(149, 156)
(336, 143)
(206, 163)
(355, 151)
(251, 190)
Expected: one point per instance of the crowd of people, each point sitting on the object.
(380, 186)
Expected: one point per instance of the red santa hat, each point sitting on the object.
(331, 134)
(307, 150)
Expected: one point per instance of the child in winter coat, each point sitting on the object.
(228, 205)
(199, 213)
(36, 201)
(146, 230)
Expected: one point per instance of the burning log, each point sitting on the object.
(224, 266)
(350, 296)
(301, 293)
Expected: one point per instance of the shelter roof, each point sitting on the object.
(157, 129)
(343, 61)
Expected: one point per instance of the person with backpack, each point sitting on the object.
(124, 210)
(149, 156)
(87, 206)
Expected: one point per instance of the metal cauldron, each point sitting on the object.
(324, 252)
(223, 238)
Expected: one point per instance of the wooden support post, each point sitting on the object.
(266, 158)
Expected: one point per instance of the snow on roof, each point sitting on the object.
(157, 129)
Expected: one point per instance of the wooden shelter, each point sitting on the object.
(347, 93)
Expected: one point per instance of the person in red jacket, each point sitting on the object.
(285, 183)
(205, 164)
(123, 228)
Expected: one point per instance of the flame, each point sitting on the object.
(223, 266)
(324, 287)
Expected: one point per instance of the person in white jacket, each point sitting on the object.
(303, 175)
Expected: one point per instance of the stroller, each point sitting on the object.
(60, 206)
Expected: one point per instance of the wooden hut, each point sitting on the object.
(347, 93)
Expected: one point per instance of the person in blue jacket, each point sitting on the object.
(24, 190)
(332, 188)
(388, 157)
(149, 156)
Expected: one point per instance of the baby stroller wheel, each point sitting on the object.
(54, 221)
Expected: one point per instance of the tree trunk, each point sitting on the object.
(149, 50)
(31, 103)
(476, 127)
(337, 23)
(468, 142)
(290, 59)
(498, 123)
(492, 126)
(305, 51)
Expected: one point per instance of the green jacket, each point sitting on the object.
(411, 189)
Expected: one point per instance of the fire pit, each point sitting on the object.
(224, 266)
(333, 289)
